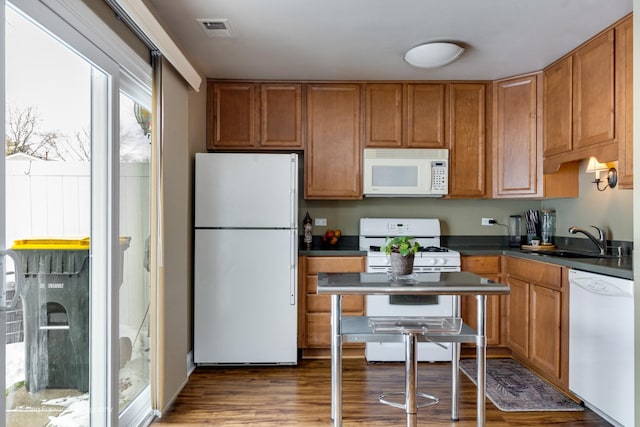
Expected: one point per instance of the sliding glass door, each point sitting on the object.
(74, 223)
(134, 339)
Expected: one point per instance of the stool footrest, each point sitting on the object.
(428, 400)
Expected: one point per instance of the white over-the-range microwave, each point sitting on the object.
(405, 172)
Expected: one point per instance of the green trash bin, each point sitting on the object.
(56, 311)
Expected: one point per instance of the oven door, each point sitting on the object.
(409, 305)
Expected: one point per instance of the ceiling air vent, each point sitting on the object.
(216, 27)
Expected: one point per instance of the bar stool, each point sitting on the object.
(411, 328)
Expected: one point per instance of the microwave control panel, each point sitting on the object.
(439, 176)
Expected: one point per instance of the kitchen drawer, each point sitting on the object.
(481, 264)
(337, 264)
(318, 330)
(322, 303)
(311, 284)
(534, 271)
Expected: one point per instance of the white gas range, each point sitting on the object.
(432, 258)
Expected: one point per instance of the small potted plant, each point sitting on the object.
(402, 250)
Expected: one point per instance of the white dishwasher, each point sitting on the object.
(601, 346)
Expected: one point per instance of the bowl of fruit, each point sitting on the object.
(331, 238)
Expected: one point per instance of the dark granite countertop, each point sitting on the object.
(618, 267)
(347, 246)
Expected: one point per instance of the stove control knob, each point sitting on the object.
(430, 261)
(441, 261)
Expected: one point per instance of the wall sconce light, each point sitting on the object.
(597, 167)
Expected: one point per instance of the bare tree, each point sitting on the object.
(24, 136)
(75, 148)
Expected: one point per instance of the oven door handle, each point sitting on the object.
(377, 269)
(436, 343)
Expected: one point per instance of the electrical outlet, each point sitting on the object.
(488, 221)
(321, 222)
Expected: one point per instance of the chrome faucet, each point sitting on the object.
(600, 242)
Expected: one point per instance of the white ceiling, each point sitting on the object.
(366, 39)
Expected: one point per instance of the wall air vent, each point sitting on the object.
(216, 27)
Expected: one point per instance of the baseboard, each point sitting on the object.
(191, 366)
(325, 353)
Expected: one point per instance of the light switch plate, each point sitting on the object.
(321, 222)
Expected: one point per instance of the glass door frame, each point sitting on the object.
(3, 206)
(105, 246)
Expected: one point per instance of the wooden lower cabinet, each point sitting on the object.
(314, 329)
(517, 326)
(545, 325)
(537, 323)
(489, 267)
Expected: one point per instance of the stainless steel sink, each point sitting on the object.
(570, 254)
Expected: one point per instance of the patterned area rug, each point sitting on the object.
(514, 388)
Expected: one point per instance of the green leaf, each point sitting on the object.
(404, 245)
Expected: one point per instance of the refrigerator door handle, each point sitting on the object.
(294, 191)
(294, 268)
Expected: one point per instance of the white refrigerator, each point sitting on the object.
(245, 258)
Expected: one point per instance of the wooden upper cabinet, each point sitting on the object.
(580, 104)
(383, 115)
(624, 107)
(231, 113)
(558, 108)
(333, 151)
(405, 115)
(281, 115)
(594, 92)
(254, 115)
(517, 148)
(425, 117)
(467, 139)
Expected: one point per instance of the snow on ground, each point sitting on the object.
(75, 410)
(75, 413)
(14, 371)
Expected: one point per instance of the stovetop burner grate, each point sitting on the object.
(373, 248)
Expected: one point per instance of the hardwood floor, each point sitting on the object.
(301, 396)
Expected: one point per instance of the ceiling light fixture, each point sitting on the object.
(596, 167)
(433, 55)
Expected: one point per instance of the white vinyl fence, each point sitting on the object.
(52, 199)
